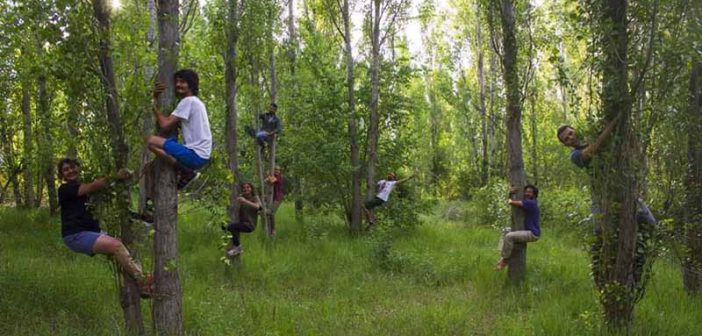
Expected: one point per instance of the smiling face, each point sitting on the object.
(70, 172)
(246, 189)
(568, 137)
(528, 193)
(182, 89)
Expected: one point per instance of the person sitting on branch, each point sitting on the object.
(385, 187)
(247, 206)
(531, 232)
(81, 232)
(192, 117)
(270, 126)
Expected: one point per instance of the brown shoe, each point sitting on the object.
(501, 264)
(146, 286)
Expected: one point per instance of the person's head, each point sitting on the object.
(247, 189)
(531, 192)
(273, 107)
(276, 170)
(566, 135)
(392, 176)
(186, 83)
(68, 169)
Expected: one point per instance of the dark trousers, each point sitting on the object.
(237, 228)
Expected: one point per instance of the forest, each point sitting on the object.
(348, 167)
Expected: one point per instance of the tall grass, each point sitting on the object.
(314, 279)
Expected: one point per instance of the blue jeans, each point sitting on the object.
(261, 137)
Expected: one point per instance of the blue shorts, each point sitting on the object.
(184, 155)
(82, 242)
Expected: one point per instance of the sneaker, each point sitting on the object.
(145, 218)
(146, 287)
(234, 251)
(187, 176)
(501, 264)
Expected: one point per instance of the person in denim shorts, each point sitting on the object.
(81, 232)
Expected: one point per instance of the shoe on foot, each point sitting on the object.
(146, 286)
(187, 176)
(234, 251)
(501, 264)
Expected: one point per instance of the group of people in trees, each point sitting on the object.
(81, 232)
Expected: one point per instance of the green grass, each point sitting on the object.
(315, 280)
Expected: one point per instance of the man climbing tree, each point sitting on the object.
(385, 187)
(81, 232)
(192, 116)
(532, 217)
(270, 126)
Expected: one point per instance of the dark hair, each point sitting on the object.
(533, 188)
(66, 161)
(274, 105)
(253, 190)
(560, 130)
(190, 77)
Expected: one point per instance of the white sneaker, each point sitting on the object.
(234, 251)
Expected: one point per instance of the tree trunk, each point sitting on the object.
(692, 267)
(167, 303)
(13, 167)
(614, 180)
(517, 177)
(129, 292)
(148, 123)
(355, 206)
(483, 113)
(534, 138)
(28, 154)
(230, 77)
(49, 174)
(292, 51)
(375, 93)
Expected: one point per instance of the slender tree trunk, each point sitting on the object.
(355, 206)
(230, 77)
(148, 124)
(534, 138)
(292, 51)
(28, 154)
(493, 142)
(13, 167)
(614, 182)
(49, 175)
(517, 177)
(483, 113)
(271, 54)
(692, 267)
(73, 110)
(375, 93)
(167, 303)
(129, 292)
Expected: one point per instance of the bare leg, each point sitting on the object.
(113, 247)
(155, 145)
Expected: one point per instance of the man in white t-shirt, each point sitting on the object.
(385, 187)
(192, 116)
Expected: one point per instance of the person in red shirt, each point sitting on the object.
(276, 180)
